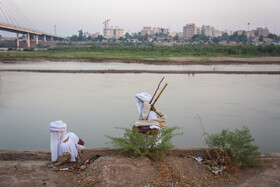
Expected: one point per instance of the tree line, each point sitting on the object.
(190, 50)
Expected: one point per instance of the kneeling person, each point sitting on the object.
(63, 142)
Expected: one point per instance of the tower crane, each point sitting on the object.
(106, 25)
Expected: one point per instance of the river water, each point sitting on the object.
(94, 104)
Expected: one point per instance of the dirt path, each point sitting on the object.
(178, 168)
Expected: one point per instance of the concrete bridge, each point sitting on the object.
(30, 33)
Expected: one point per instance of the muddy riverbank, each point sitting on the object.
(178, 168)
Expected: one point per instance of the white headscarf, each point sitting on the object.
(146, 98)
(58, 130)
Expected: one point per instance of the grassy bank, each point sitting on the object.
(125, 52)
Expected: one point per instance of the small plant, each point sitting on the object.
(238, 145)
(136, 144)
(11, 49)
(28, 49)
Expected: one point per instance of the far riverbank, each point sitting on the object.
(155, 61)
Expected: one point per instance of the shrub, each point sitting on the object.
(28, 49)
(137, 144)
(238, 145)
(11, 49)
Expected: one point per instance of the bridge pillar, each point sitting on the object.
(17, 40)
(28, 40)
(37, 40)
(45, 38)
(51, 38)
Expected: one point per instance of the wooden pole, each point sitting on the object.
(156, 90)
(159, 95)
(152, 108)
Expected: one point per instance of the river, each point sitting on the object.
(94, 104)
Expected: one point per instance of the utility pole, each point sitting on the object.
(248, 26)
(54, 29)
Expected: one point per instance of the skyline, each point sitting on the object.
(69, 16)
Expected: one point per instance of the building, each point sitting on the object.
(156, 30)
(189, 30)
(198, 30)
(262, 31)
(146, 31)
(228, 32)
(164, 30)
(160, 30)
(208, 30)
(218, 33)
(172, 34)
(240, 32)
(113, 32)
(94, 35)
(118, 33)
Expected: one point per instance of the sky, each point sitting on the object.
(69, 16)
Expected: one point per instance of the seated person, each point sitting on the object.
(61, 141)
(150, 121)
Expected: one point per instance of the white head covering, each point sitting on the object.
(58, 129)
(146, 98)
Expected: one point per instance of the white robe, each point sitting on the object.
(71, 146)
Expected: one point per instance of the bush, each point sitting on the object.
(11, 49)
(137, 144)
(28, 49)
(238, 145)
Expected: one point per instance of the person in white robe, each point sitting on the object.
(61, 141)
(147, 117)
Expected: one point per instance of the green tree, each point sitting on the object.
(234, 37)
(74, 38)
(243, 38)
(261, 38)
(89, 38)
(216, 40)
(128, 36)
(274, 37)
(81, 36)
(225, 37)
(100, 38)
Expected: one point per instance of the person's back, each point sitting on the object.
(63, 142)
(69, 143)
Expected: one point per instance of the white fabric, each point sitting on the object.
(70, 146)
(146, 98)
(148, 117)
(58, 130)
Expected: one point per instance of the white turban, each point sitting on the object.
(58, 130)
(146, 98)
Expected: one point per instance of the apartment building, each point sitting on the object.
(189, 30)
(262, 31)
(113, 32)
(146, 31)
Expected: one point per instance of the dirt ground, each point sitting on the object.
(178, 168)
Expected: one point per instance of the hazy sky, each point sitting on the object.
(69, 16)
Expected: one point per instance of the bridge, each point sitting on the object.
(13, 20)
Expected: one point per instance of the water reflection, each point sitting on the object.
(93, 104)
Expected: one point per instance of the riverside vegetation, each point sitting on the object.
(137, 52)
(153, 146)
(233, 149)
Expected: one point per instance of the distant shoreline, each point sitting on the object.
(158, 61)
(111, 71)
